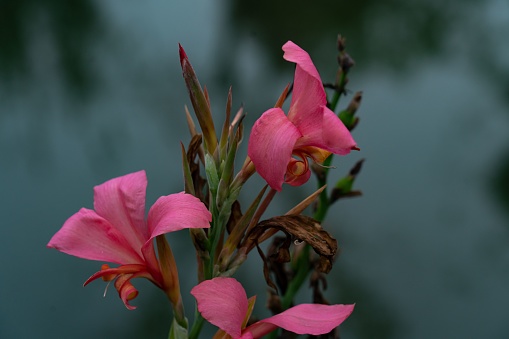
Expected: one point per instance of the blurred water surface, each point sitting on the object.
(92, 90)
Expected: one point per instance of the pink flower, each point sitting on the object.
(280, 145)
(117, 231)
(223, 302)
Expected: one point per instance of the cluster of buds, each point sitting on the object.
(282, 148)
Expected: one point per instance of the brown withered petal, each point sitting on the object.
(194, 150)
(235, 216)
(282, 252)
(194, 147)
(341, 42)
(278, 258)
(302, 228)
(266, 270)
(346, 62)
(324, 264)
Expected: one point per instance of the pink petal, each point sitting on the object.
(89, 236)
(308, 93)
(223, 303)
(270, 146)
(336, 137)
(294, 53)
(175, 212)
(311, 319)
(121, 201)
(327, 132)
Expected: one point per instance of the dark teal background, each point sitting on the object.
(91, 90)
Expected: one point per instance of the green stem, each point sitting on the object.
(323, 202)
(335, 100)
(197, 325)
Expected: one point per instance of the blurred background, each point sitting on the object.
(91, 90)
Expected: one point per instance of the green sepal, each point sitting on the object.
(227, 173)
(223, 190)
(226, 126)
(226, 209)
(347, 116)
(211, 171)
(343, 187)
(177, 331)
(222, 193)
(345, 184)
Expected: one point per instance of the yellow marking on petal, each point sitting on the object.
(317, 154)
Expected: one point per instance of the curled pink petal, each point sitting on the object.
(126, 290)
(89, 236)
(308, 93)
(270, 146)
(175, 212)
(297, 180)
(296, 54)
(223, 303)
